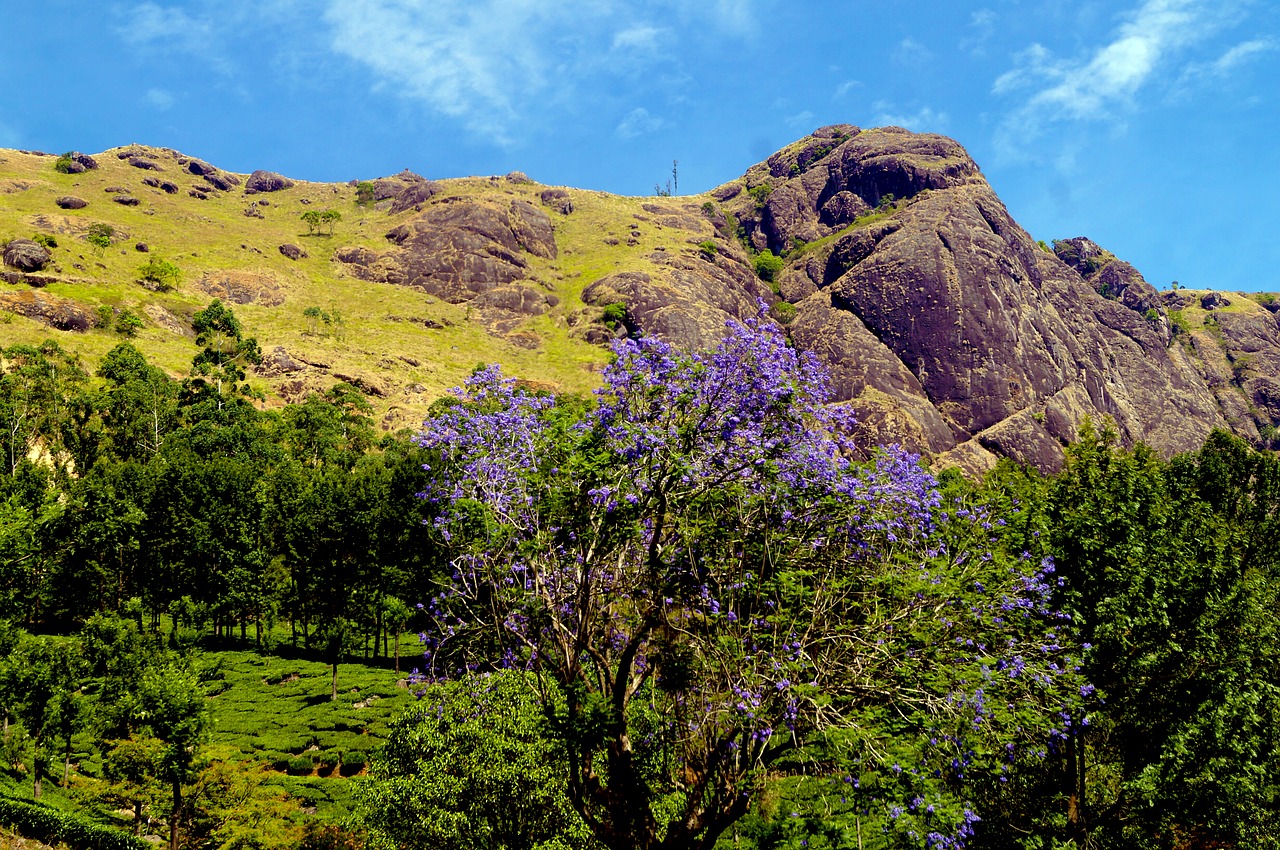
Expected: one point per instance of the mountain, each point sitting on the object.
(883, 252)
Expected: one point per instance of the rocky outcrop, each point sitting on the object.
(266, 181)
(60, 313)
(293, 252)
(71, 202)
(942, 322)
(26, 255)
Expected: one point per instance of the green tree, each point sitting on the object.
(472, 767)
(162, 274)
(129, 766)
(225, 350)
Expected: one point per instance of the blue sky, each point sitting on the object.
(1151, 126)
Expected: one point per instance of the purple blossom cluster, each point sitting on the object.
(700, 551)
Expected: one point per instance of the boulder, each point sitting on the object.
(71, 202)
(85, 161)
(225, 182)
(126, 200)
(26, 255)
(144, 163)
(169, 188)
(558, 200)
(200, 168)
(293, 252)
(142, 248)
(266, 181)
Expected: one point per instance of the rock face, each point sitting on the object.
(26, 255)
(266, 181)
(942, 322)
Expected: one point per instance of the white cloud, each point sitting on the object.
(982, 26)
(159, 98)
(801, 120)
(1228, 63)
(640, 38)
(911, 53)
(844, 88)
(923, 120)
(1103, 84)
(496, 65)
(638, 122)
(163, 26)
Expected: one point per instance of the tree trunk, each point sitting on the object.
(137, 817)
(333, 696)
(66, 763)
(173, 817)
(397, 653)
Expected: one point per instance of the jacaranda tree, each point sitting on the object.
(707, 590)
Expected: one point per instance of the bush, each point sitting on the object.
(161, 273)
(51, 826)
(784, 312)
(760, 194)
(614, 314)
(128, 323)
(327, 761)
(301, 765)
(45, 239)
(768, 265)
(353, 761)
(63, 164)
(708, 249)
(99, 235)
(364, 193)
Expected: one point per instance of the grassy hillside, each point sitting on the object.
(408, 343)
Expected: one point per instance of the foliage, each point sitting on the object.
(50, 825)
(100, 235)
(470, 767)
(716, 592)
(614, 314)
(128, 323)
(319, 219)
(364, 193)
(784, 312)
(760, 193)
(45, 239)
(160, 273)
(768, 266)
(708, 249)
(62, 164)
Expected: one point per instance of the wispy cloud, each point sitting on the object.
(911, 53)
(493, 64)
(982, 26)
(800, 121)
(159, 98)
(924, 119)
(1227, 64)
(638, 122)
(1103, 84)
(844, 88)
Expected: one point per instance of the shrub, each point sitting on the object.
(327, 761)
(353, 761)
(99, 236)
(784, 312)
(768, 265)
(45, 239)
(163, 274)
(760, 194)
(708, 249)
(301, 765)
(614, 314)
(63, 164)
(51, 826)
(708, 209)
(364, 193)
(128, 323)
